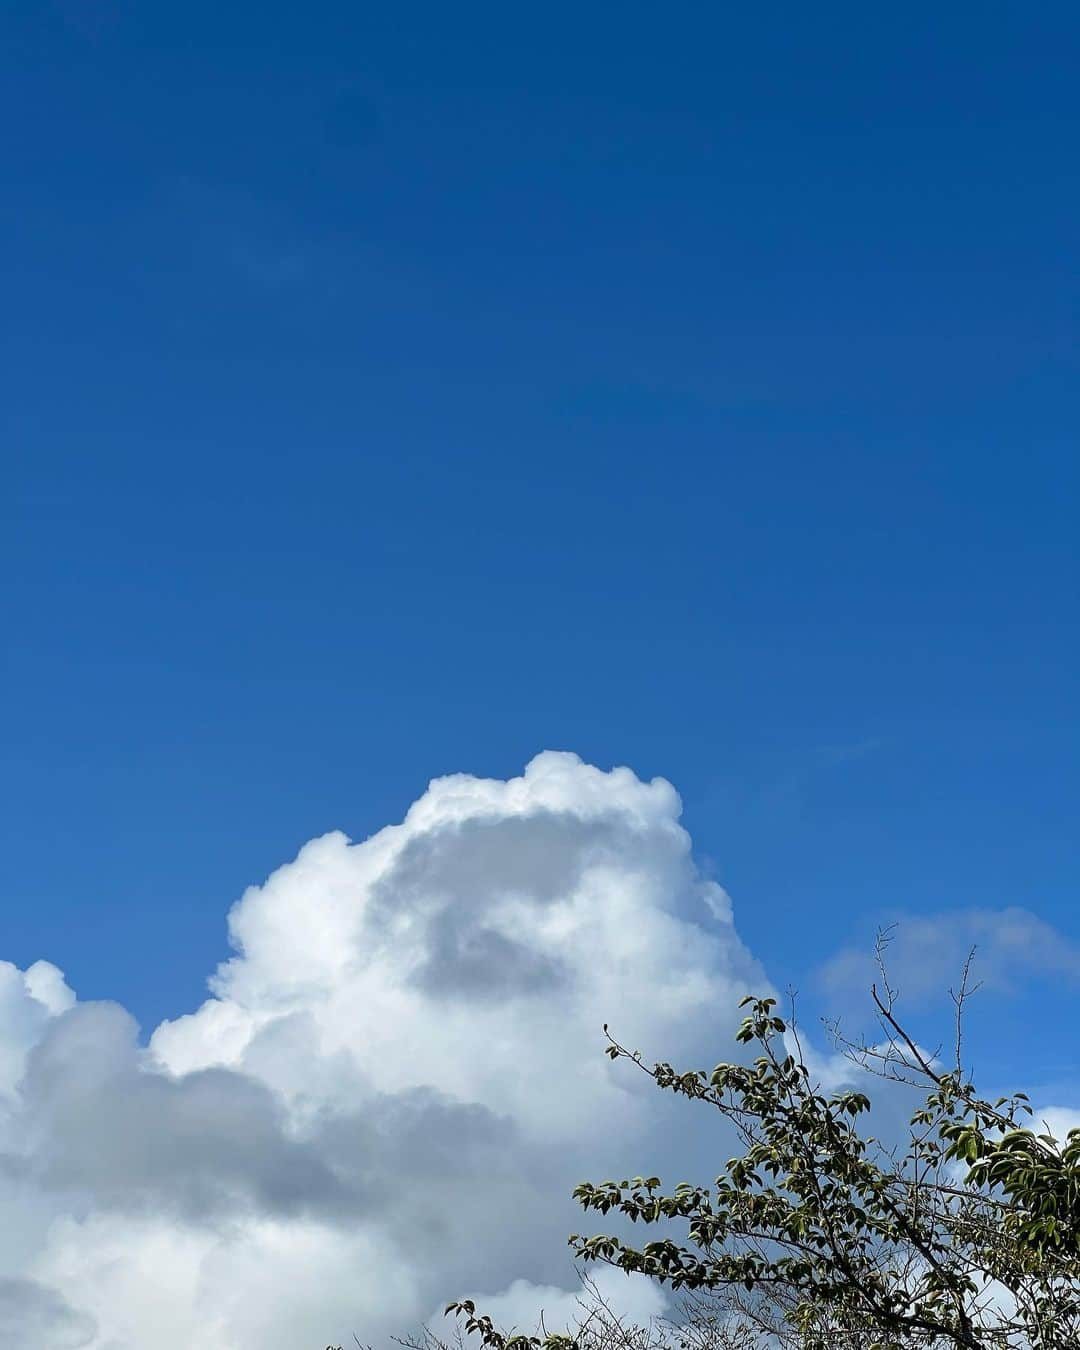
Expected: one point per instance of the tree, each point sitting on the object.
(817, 1234)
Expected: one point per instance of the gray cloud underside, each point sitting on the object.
(393, 1089)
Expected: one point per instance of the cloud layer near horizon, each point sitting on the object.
(389, 1096)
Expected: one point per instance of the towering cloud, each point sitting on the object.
(386, 1101)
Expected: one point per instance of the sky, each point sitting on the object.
(395, 394)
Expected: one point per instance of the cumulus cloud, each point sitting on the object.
(532, 1309)
(28, 1000)
(32, 1316)
(212, 1141)
(394, 1086)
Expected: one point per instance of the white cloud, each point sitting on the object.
(926, 954)
(1055, 1120)
(531, 1308)
(28, 999)
(394, 1087)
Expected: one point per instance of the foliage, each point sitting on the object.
(817, 1234)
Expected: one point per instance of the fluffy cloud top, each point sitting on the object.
(397, 1081)
(398, 1078)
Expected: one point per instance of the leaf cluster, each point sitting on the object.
(816, 1234)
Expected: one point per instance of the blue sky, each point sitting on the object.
(395, 391)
